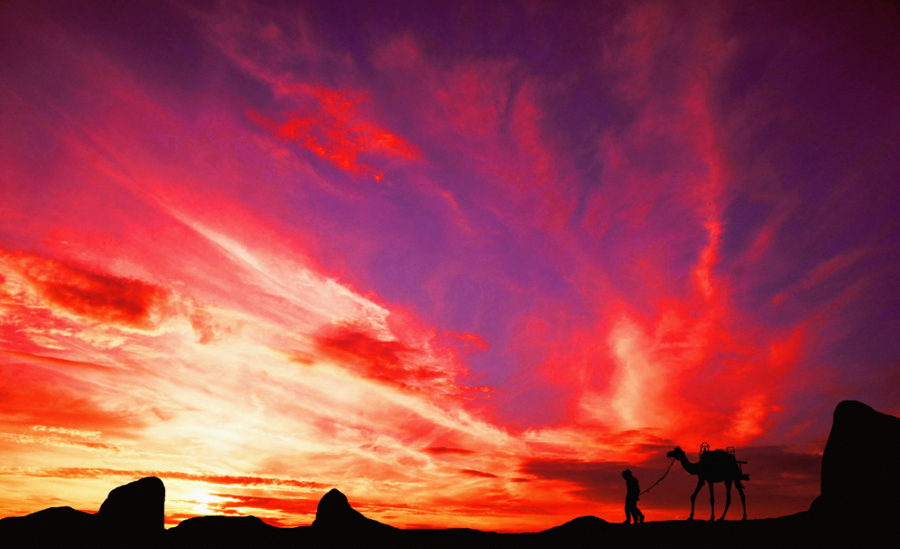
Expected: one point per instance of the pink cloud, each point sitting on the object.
(331, 128)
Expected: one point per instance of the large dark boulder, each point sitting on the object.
(135, 512)
(860, 475)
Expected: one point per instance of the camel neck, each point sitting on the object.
(688, 466)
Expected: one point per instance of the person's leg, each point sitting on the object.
(631, 511)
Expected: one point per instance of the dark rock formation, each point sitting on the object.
(138, 507)
(220, 532)
(53, 527)
(334, 510)
(132, 516)
(860, 475)
(337, 524)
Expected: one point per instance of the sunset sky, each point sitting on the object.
(463, 263)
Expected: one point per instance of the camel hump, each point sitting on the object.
(718, 456)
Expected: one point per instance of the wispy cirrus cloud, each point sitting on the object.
(224, 480)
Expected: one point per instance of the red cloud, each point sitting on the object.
(51, 361)
(173, 519)
(467, 343)
(225, 480)
(442, 450)
(391, 362)
(332, 128)
(475, 473)
(104, 298)
(37, 396)
(823, 272)
(294, 506)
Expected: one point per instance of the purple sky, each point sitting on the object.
(458, 249)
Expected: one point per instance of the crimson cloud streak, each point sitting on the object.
(465, 263)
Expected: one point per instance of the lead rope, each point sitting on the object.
(671, 462)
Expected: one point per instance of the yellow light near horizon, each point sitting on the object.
(201, 502)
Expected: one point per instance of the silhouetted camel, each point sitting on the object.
(714, 466)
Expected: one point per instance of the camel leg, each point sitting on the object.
(712, 502)
(727, 498)
(740, 489)
(700, 482)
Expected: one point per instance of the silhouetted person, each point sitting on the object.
(631, 498)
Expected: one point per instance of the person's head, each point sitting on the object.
(626, 473)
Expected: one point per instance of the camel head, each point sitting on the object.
(677, 453)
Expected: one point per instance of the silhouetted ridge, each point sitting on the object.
(131, 516)
(53, 527)
(860, 471)
(225, 532)
(580, 524)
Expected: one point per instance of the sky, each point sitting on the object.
(463, 262)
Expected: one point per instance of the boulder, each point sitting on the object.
(860, 475)
(135, 510)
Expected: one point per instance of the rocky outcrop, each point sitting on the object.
(337, 524)
(133, 515)
(860, 475)
(138, 507)
(334, 510)
(335, 513)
